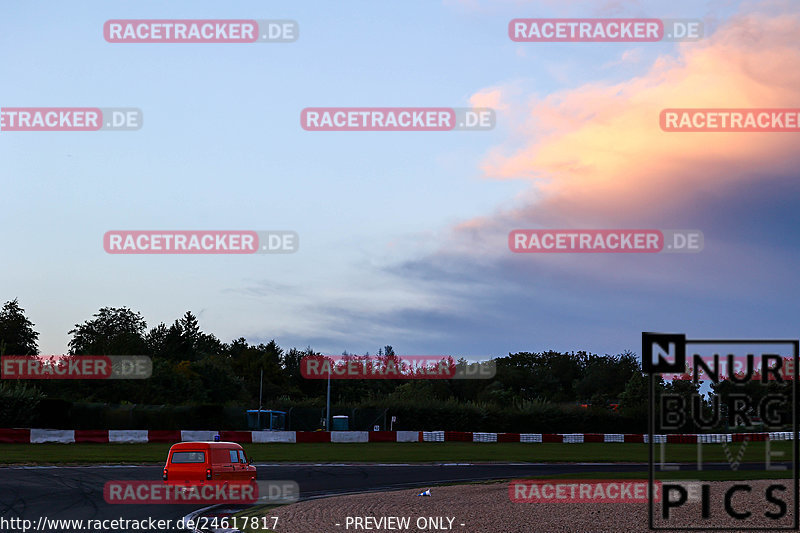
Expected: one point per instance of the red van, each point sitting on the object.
(198, 462)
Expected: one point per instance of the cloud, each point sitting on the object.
(595, 157)
(492, 98)
(595, 151)
(628, 57)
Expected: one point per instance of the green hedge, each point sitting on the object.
(18, 403)
(61, 414)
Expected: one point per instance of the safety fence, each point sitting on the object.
(36, 436)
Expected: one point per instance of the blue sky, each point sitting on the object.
(402, 234)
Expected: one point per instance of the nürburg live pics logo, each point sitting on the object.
(722, 436)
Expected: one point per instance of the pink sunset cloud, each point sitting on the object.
(595, 154)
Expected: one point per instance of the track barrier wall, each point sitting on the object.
(69, 436)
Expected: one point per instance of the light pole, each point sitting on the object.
(328, 407)
(260, 389)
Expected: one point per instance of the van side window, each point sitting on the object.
(220, 456)
(188, 457)
(242, 458)
(233, 456)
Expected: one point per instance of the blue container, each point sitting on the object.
(340, 423)
(269, 419)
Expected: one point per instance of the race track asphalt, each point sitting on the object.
(76, 492)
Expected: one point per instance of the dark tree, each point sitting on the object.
(112, 331)
(17, 336)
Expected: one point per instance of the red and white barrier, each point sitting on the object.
(68, 436)
(574, 438)
(198, 435)
(350, 436)
(274, 436)
(39, 436)
(431, 436)
(128, 436)
(484, 437)
(406, 436)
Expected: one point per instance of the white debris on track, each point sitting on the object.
(487, 508)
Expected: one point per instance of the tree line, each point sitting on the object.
(193, 367)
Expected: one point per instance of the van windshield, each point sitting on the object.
(189, 457)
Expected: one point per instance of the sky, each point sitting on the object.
(403, 235)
